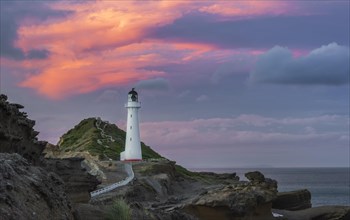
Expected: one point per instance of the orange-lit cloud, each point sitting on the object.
(106, 43)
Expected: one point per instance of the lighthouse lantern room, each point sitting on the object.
(132, 142)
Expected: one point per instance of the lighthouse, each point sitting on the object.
(132, 150)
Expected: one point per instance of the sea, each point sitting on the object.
(328, 186)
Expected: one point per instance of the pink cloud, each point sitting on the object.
(240, 131)
(300, 52)
(248, 8)
(105, 43)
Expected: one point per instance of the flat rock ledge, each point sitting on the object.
(293, 200)
(317, 213)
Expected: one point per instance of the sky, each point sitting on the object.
(222, 84)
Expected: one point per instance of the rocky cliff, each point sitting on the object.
(32, 187)
(164, 190)
(16, 132)
(30, 192)
(78, 183)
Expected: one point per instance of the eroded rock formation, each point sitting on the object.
(32, 187)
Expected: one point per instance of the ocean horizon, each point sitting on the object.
(328, 185)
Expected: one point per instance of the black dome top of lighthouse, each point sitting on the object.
(133, 94)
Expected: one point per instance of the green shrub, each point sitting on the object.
(120, 210)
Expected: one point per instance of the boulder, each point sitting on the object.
(255, 176)
(236, 201)
(294, 200)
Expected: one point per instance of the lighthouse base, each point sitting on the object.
(122, 158)
(132, 160)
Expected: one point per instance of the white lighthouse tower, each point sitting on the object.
(132, 142)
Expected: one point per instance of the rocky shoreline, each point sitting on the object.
(35, 187)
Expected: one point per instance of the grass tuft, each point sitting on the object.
(120, 210)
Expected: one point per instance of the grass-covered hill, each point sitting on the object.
(107, 144)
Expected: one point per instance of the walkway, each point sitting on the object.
(102, 132)
(127, 167)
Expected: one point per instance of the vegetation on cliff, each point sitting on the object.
(88, 136)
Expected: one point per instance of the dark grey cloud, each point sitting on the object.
(153, 84)
(8, 32)
(260, 32)
(11, 14)
(327, 65)
(238, 64)
(37, 54)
